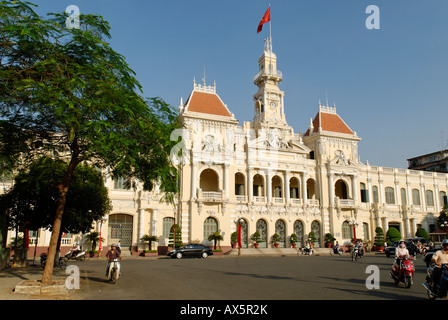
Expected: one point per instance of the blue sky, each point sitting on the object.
(389, 85)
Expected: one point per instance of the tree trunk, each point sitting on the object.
(62, 189)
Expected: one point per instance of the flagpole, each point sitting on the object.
(270, 35)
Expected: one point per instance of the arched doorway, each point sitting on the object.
(315, 228)
(280, 229)
(244, 234)
(340, 189)
(210, 226)
(299, 230)
(262, 228)
(209, 180)
(120, 229)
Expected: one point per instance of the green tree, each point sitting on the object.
(33, 199)
(67, 92)
(93, 237)
(392, 235)
(149, 238)
(379, 237)
(175, 239)
(422, 233)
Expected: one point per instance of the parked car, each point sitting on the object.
(191, 250)
(390, 250)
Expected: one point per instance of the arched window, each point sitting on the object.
(340, 189)
(375, 194)
(239, 184)
(403, 197)
(443, 198)
(415, 197)
(209, 180)
(429, 198)
(390, 195)
(346, 230)
(364, 192)
(210, 226)
(167, 224)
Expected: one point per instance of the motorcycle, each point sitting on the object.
(403, 272)
(114, 271)
(305, 251)
(81, 255)
(335, 250)
(356, 254)
(439, 291)
(61, 262)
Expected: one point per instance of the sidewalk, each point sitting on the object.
(11, 277)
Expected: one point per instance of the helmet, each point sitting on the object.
(113, 245)
(401, 241)
(445, 242)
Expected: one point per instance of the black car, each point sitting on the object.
(191, 250)
(390, 250)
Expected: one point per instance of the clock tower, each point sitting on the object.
(269, 109)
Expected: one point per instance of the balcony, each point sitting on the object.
(210, 196)
(344, 203)
(295, 201)
(268, 74)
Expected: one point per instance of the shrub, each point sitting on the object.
(392, 235)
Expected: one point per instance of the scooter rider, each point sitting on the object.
(111, 255)
(439, 258)
(400, 252)
(76, 249)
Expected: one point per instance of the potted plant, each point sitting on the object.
(329, 240)
(256, 237)
(312, 238)
(215, 237)
(149, 238)
(275, 239)
(293, 240)
(93, 237)
(234, 239)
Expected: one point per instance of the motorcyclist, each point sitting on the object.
(336, 247)
(111, 255)
(400, 252)
(76, 249)
(308, 248)
(440, 257)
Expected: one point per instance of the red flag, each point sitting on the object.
(266, 18)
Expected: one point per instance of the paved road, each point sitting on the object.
(247, 278)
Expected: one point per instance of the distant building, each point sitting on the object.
(434, 162)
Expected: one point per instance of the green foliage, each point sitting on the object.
(392, 235)
(275, 238)
(256, 237)
(93, 237)
(329, 237)
(422, 233)
(293, 238)
(312, 237)
(175, 239)
(379, 237)
(33, 198)
(149, 238)
(215, 237)
(66, 90)
(234, 237)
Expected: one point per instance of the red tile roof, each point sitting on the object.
(329, 122)
(208, 103)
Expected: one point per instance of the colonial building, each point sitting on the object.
(272, 179)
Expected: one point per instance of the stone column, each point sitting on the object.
(226, 180)
(250, 185)
(286, 192)
(304, 193)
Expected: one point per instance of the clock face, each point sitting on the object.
(273, 105)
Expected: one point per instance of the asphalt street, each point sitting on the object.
(248, 278)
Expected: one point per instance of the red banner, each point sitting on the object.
(266, 18)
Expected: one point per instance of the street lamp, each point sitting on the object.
(444, 226)
(239, 223)
(354, 224)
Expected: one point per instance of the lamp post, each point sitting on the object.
(444, 226)
(239, 223)
(354, 224)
